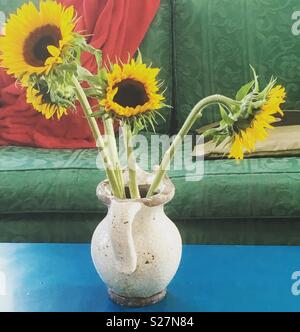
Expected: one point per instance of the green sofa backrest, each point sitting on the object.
(206, 46)
(8, 6)
(216, 40)
(157, 50)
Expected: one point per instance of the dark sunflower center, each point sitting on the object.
(243, 124)
(131, 93)
(35, 47)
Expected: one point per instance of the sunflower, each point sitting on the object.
(35, 40)
(41, 102)
(245, 139)
(132, 90)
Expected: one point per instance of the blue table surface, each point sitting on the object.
(61, 277)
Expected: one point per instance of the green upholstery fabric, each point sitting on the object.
(39, 181)
(215, 41)
(79, 227)
(157, 50)
(49, 196)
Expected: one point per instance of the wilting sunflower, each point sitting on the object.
(35, 40)
(41, 102)
(132, 90)
(245, 139)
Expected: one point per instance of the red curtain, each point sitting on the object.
(115, 26)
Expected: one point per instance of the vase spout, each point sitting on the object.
(122, 216)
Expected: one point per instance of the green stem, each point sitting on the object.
(98, 138)
(194, 115)
(133, 185)
(112, 146)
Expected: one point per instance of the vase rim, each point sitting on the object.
(164, 195)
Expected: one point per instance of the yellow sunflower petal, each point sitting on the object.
(54, 51)
(47, 109)
(259, 126)
(236, 150)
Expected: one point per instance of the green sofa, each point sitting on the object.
(204, 47)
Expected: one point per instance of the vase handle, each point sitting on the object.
(122, 215)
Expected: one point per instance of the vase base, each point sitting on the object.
(136, 302)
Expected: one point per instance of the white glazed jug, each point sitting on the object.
(136, 249)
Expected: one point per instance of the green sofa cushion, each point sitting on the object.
(79, 227)
(215, 41)
(64, 181)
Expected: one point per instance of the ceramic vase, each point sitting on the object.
(136, 248)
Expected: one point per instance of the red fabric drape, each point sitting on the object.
(115, 26)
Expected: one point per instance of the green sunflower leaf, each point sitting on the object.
(69, 67)
(93, 92)
(244, 90)
(219, 139)
(97, 54)
(138, 126)
(87, 76)
(102, 75)
(83, 73)
(139, 57)
(256, 89)
(225, 116)
(210, 133)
